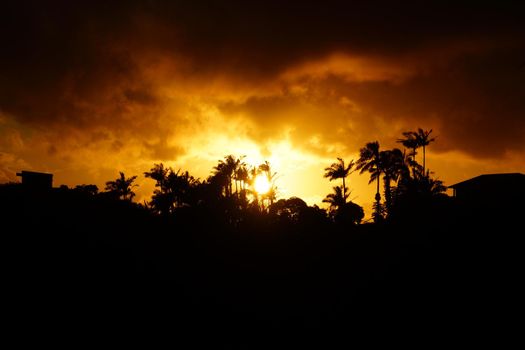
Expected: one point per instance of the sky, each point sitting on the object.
(88, 89)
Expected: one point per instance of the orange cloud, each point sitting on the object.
(85, 93)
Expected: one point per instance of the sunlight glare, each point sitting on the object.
(261, 184)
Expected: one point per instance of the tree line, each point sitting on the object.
(231, 185)
(215, 247)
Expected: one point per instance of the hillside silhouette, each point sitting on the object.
(216, 257)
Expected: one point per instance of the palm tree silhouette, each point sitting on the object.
(416, 139)
(410, 142)
(342, 211)
(179, 185)
(423, 139)
(271, 195)
(369, 161)
(393, 166)
(122, 187)
(227, 169)
(339, 171)
(158, 173)
(242, 176)
(250, 181)
(428, 186)
(337, 199)
(162, 200)
(174, 188)
(266, 169)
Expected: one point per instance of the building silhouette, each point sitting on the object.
(491, 187)
(36, 180)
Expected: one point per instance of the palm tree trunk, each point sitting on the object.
(377, 192)
(378, 195)
(414, 160)
(424, 160)
(344, 190)
(388, 199)
(378, 201)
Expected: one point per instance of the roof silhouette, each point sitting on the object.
(35, 179)
(491, 179)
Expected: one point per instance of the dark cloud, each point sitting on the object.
(475, 103)
(88, 66)
(161, 150)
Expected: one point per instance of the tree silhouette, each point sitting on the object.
(342, 211)
(180, 185)
(159, 174)
(241, 175)
(339, 171)
(266, 169)
(337, 199)
(416, 139)
(271, 195)
(412, 192)
(410, 142)
(226, 169)
(290, 209)
(173, 189)
(427, 186)
(161, 201)
(351, 213)
(122, 187)
(393, 166)
(91, 190)
(378, 212)
(423, 140)
(251, 176)
(369, 161)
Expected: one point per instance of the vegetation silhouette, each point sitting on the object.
(416, 139)
(339, 171)
(173, 189)
(122, 187)
(369, 161)
(392, 163)
(218, 257)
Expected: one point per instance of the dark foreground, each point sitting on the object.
(79, 268)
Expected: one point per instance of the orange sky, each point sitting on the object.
(90, 90)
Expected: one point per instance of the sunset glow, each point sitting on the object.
(185, 87)
(262, 172)
(261, 184)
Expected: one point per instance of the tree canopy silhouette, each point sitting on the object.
(337, 199)
(370, 161)
(122, 187)
(339, 171)
(392, 163)
(416, 139)
(174, 189)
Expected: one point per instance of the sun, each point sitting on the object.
(261, 184)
